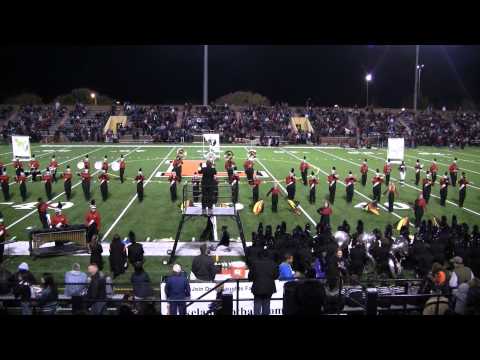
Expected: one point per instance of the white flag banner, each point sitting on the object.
(211, 146)
(21, 147)
(396, 149)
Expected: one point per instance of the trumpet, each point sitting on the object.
(252, 154)
(228, 155)
(181, 153)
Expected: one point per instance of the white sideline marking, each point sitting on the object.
(134, 197)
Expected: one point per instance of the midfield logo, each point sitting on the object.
(33, 205)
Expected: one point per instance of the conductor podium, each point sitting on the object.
(207, 201)
(68, 240)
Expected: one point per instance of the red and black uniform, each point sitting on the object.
(332, 187)
(3, 236)
(172, 179)
(443, 190)
(418, 169)
(387, 170)
(312, 184)
(325, 213)
(248, 167)
(42, 208)
(427, 189)
(433, 171)
(140, 179)
(377, 187)
(86, 163)
(67, 184)
(196, 188)
(122, 169)
(290, 182)
(392, 191)
(53, 169)
(235, 182)
(275, 192)
(350, 187)
(104, 179)
(93, 222)
(364, 172)
(105, 165)
(86, 178)
(304, 166)
(419, 208)
(22, 181)
(17, 164)
(47, 180)
(59, 221)
(177, 168)
(4, 181)
(453, 170)
(462, 191)
(229, 168)
(34, 166)
(255, 190)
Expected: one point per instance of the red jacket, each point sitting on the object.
(59, 219)
(67, 176)
(312, 182)
(105, 165)
(34, 164)
(290, 180)
(53, 164)
(47, 178)
(326, 211)
(17, 164)
(86, 164)
(122, 164)
(387, 169)
(42, 207)
(433, 168)
(20, 179)
(364, 168)
(463, 183)
(304, 166)
(103, 177)
(140, 178)
(421, 203)
(332, 179)
(4, 178)
(95, 216)
(3, 231)
(247, 164)
(377, 180)
(453, 168)
(85, 176)
(229, 164)
(350, 180)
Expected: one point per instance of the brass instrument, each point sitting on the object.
(181, 153)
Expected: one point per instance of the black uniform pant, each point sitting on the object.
(67, 185)
(43, 220)
(391, 200)
(207, 196)
(122, 172)
(312, 196)
(1, 249)
(140, 191)
(178, 171)
(86, 189)
(104, 190)
(91, 230)
(173, 191)
(332, 189)
(417, 178)
(249, 173)
(349, 193)
(235, 193)
(196, 193)
(230, 174)
(48, 190)
(434, 177)
(426, 193)
(274, 203)
(364, 179)
(34, 174)
(377, 193)
(453, 177)
(6, 191)
(304, 177)
(23, 191)
(418, 216)
(387, 179)
(291, 192)
(255, 194)
(54, 173)
(443, 196)
(461, 197)
(325, 220)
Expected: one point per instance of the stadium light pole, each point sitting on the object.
(419, 69)
(94, 98)
(415, 91)
(368, 78)
(205, 75)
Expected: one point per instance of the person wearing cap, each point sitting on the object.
(172, 180)
(58, 220)
(364, 172)
(444, 182)
(234, 182)
(332, 185)
(377, 186)
(433, 171)
(53, 168)
(350, 186)
(177, 287)
(3, 236)
(67, 182)
(255, 184)
(418, 169)
(104, 179)
(139, 180)
(105, 164)
(453, 170)
(427, 186)
(304, 166)
(92, 221)
(86, 163)
(275, 191)
(24, 279)
(17, 165)
(248, 168)
(24, 270)
(461, 274)
(22, 181)
(387, 170)
(86, 178)
(122, 168)
(4, 182)
(34, 166)
(312, 183)
(290, 181)
(462, 190)
(177, 167)
(47, 180)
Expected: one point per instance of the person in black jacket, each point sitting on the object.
(6, 280)
(96, 251)
(135, 250)
(118, 256)
(358, 258)
(203, 266)
(208, 183)
(97, 290)
(263, 273)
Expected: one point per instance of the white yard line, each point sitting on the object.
(56, 197)
(134, 197)
(285, 191)
(356, 191)
(413, 187)
(190, 145)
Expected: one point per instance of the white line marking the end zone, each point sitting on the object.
(134, 197)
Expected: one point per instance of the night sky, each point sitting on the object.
(173, 74)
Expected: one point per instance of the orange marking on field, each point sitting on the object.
(189, 167)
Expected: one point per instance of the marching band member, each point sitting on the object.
(255, 188)
(392, 191)
(58, 220)
(4, 178)
(304, 166)
(403, 171)
(42, 208)
(453, 169)
(332, 185)
(419, 208)
(418, 169)
(377, 186)
(17, 164)
(196, 187)
(173, 186)
(140, 179)
(53, 168)
(21, 180)
(86, 163)
(230, 167)
(177, 167)
(325, 212)
(67, 182)
(3, 235)
(104, 179)
(47, 180)
(427, 186)
(105, 164)
(462, 191)
(86, 178)
(235, 187)
(433, 171)
(290, 182)
(34, 166)
(248, 168)
(387, 169)
(444, 189)
(364, 172)
(312, 183)
(275, 191)
(92, 221)
(349, 186)
(122, 168)
(209, 182)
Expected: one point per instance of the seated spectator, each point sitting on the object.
(460, 298)
(75, 281)
(203, 266)
(473, 298)
(135, 250)
(48, 297)
(460, 274)
(6, 280)
(177, 288)
(439, 277)
(286, 272)
(118, 256)
(23, 269)
(22, 290)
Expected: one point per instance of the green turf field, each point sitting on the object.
(157, 217)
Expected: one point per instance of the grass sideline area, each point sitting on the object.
(157, 217)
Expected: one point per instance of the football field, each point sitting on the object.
(156, 218)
